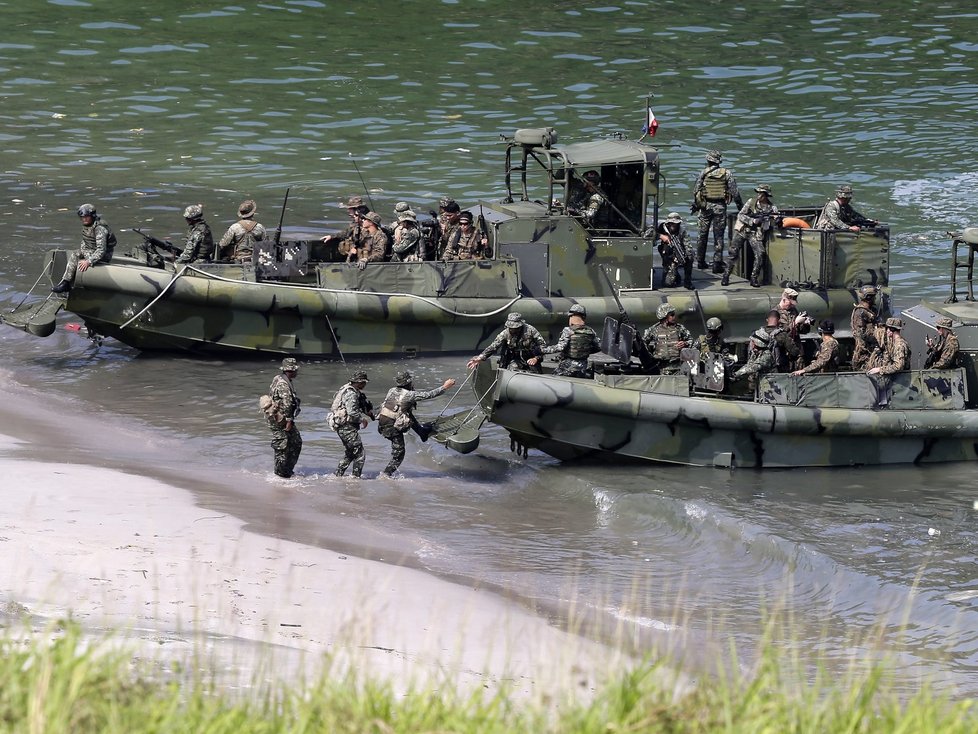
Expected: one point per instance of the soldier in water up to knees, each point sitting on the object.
(350, 412)
(281, 415)
(397, 415)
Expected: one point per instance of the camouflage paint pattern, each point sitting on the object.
(655, 419)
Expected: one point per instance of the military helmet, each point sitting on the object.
(247, 209)
(674, 217)
(194, 211)
(664, 310)
(763, 189)
(867, 291)
(515, 320)
(844, 191)
(289, 364)
(86, 210)
(761, 336)
(359, 376)
(373, 217)
(826, 326)
(577, 309)
(714, 324)
(403, 379)
(402, 206)
(944, 323)
(894, 323)
(352, 203)
(714, 156)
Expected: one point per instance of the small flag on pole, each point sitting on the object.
(651, 124)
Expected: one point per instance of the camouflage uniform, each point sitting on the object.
(575, 345)
(238, 243)
(862, 321)
(350, 237)
(285, 444)
(715, 187)
(407, 243)
(676, 253)
(757, 232)
(447, 225)
(760, 358)
(826, 359)
(518, 348)
(464, 247)
(712, 343)
(943, 353)
(841, 216)
(98, 244)
(400, 400)
(661, 340)
(787, 352)
(786, 319)
(892, 355)
(372, 248)
(199, 245)
(355, 407)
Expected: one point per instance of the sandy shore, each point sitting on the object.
(135, 556)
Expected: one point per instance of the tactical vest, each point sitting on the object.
(665, 342)
(244, 249)
(89, 235)
(338, 414)
(581, 339)
(205, 249)
(715, 185)
(393, 402)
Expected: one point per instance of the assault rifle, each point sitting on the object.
(157, 242)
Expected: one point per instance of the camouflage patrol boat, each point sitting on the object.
(546, 257)
(920, 416)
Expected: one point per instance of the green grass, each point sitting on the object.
(66, 685)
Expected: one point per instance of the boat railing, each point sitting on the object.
(966, 240)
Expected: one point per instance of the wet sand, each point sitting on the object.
(135, 556)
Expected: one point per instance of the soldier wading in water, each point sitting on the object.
(397, 415)
(280, 413)
(350, 412)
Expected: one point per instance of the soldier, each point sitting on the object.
(98, 244)
(760, 358)
(373, 243)
(349, 413)
(712, 342)
(715, 187)
(352, 236)
(407, 239)
(676, 252)
(448, 216)
(286, 441)
(238, 243)
(839, 214)
(467, 243)
(585, 200)
(397, 415)
(665, 339)
(521, 343)
(786, 351)
(577, 342)
(893, 354)
(794, 323)
(827, 357)
(863, 322)
(942, 353)
(199, 245)
(756, 221)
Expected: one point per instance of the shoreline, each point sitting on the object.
(130, 555)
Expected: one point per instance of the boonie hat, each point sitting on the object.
(247, 209)
(402, 206)
(403, 379)
(515, 320)
(353, 202)
(844, 191)
(359, 376)
(664, 310)
(894, 323)
(373, 217)
(194, 211)
(763, 189)
(407, 216)
(944, 323)
(289, 364)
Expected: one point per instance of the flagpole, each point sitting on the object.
(648, 107)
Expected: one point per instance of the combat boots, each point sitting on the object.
(718, 267)
(63, 287)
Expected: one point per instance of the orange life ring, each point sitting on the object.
(795, 222)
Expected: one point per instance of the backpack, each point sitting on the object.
(272, 411)
(338, 414)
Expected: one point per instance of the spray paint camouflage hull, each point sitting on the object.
(614, 417)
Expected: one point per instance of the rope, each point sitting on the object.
(41, 275)
(162, 293)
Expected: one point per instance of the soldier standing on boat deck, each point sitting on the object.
(893, 355)
(98, 243)
(353, 234)
(942, 353)
(373, 245)
(407, 239)
(839, 214)
(522, 346)
(238, 243)
(666, 339)
(827, 357)
(448, 216)
(397, 415)
(199, 245)
(756, 222)
(714, 189)
(577, 342)
(863, 322)
(349, 413)
(786, 350)
(794, 323)
(467, 243)
(286, 441)
(676, 252)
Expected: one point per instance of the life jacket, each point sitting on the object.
(715, 185)
(581, 343)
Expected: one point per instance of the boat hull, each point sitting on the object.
(571, 418)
